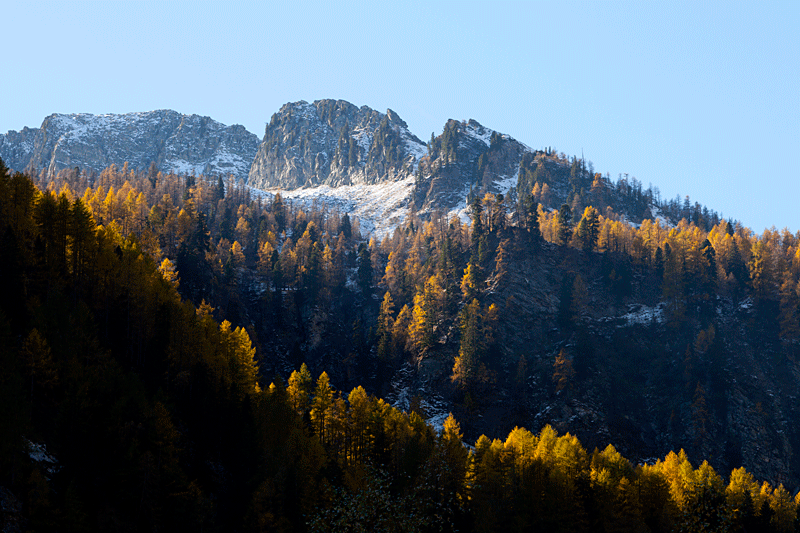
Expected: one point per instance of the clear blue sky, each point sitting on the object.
(697, 98)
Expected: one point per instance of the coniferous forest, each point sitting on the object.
(179, 354)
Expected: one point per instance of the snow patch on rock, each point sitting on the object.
(642, 314)
(476, 131)
(379, 208)
(38, 454)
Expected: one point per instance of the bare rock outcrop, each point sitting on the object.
(173, 141)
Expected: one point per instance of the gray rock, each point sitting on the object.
(466, 157)
(174, 142)
(333, 142)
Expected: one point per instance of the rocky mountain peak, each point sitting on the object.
(333, 142)
(395, 118)
(173, 141)
(466, 157)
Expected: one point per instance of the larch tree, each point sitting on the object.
(384, 327)
(761, 272)
(321, 408)
(425, 315)
(298, 390)
(563, 372)
(471, 281)
(39, 364)
(400, 329)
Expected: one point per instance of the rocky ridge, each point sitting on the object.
(333, 152)
(334, 143)
(466, 158)
(174, 142)
(328, 151)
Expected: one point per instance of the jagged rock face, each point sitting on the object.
(174, 142)
(333, 142)
(16, 147)
(466, 156)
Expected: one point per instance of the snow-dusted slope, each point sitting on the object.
(175, 142)
(327, 153)
(466, 157)
(379, 208)
(362, 161)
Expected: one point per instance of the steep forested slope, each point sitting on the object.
(159, 416)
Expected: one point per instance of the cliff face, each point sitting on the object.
(174, 142)
(333, 142)
(330, 143)
(466, 157)
(16, 147)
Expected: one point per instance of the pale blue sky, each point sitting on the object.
(697, 98)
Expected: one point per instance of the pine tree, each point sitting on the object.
(673, 285)
(531, 210)
(364, 270)
(81, 236)
(789, 315)
(400, 330)
(478, 239)
(588, 229)
(564, 224)
(498, 215)
(708, 269)
(279, 212)
(658, 263)
(345, 228)
(39, 364)
(466, 367)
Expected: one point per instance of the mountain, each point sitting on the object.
(173, 141)
(615, 323)
(719, 381)
(466, 157)
(333, 142)
(355, 159)
(129, 408)
(369, 164)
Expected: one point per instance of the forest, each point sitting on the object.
(183, 348)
